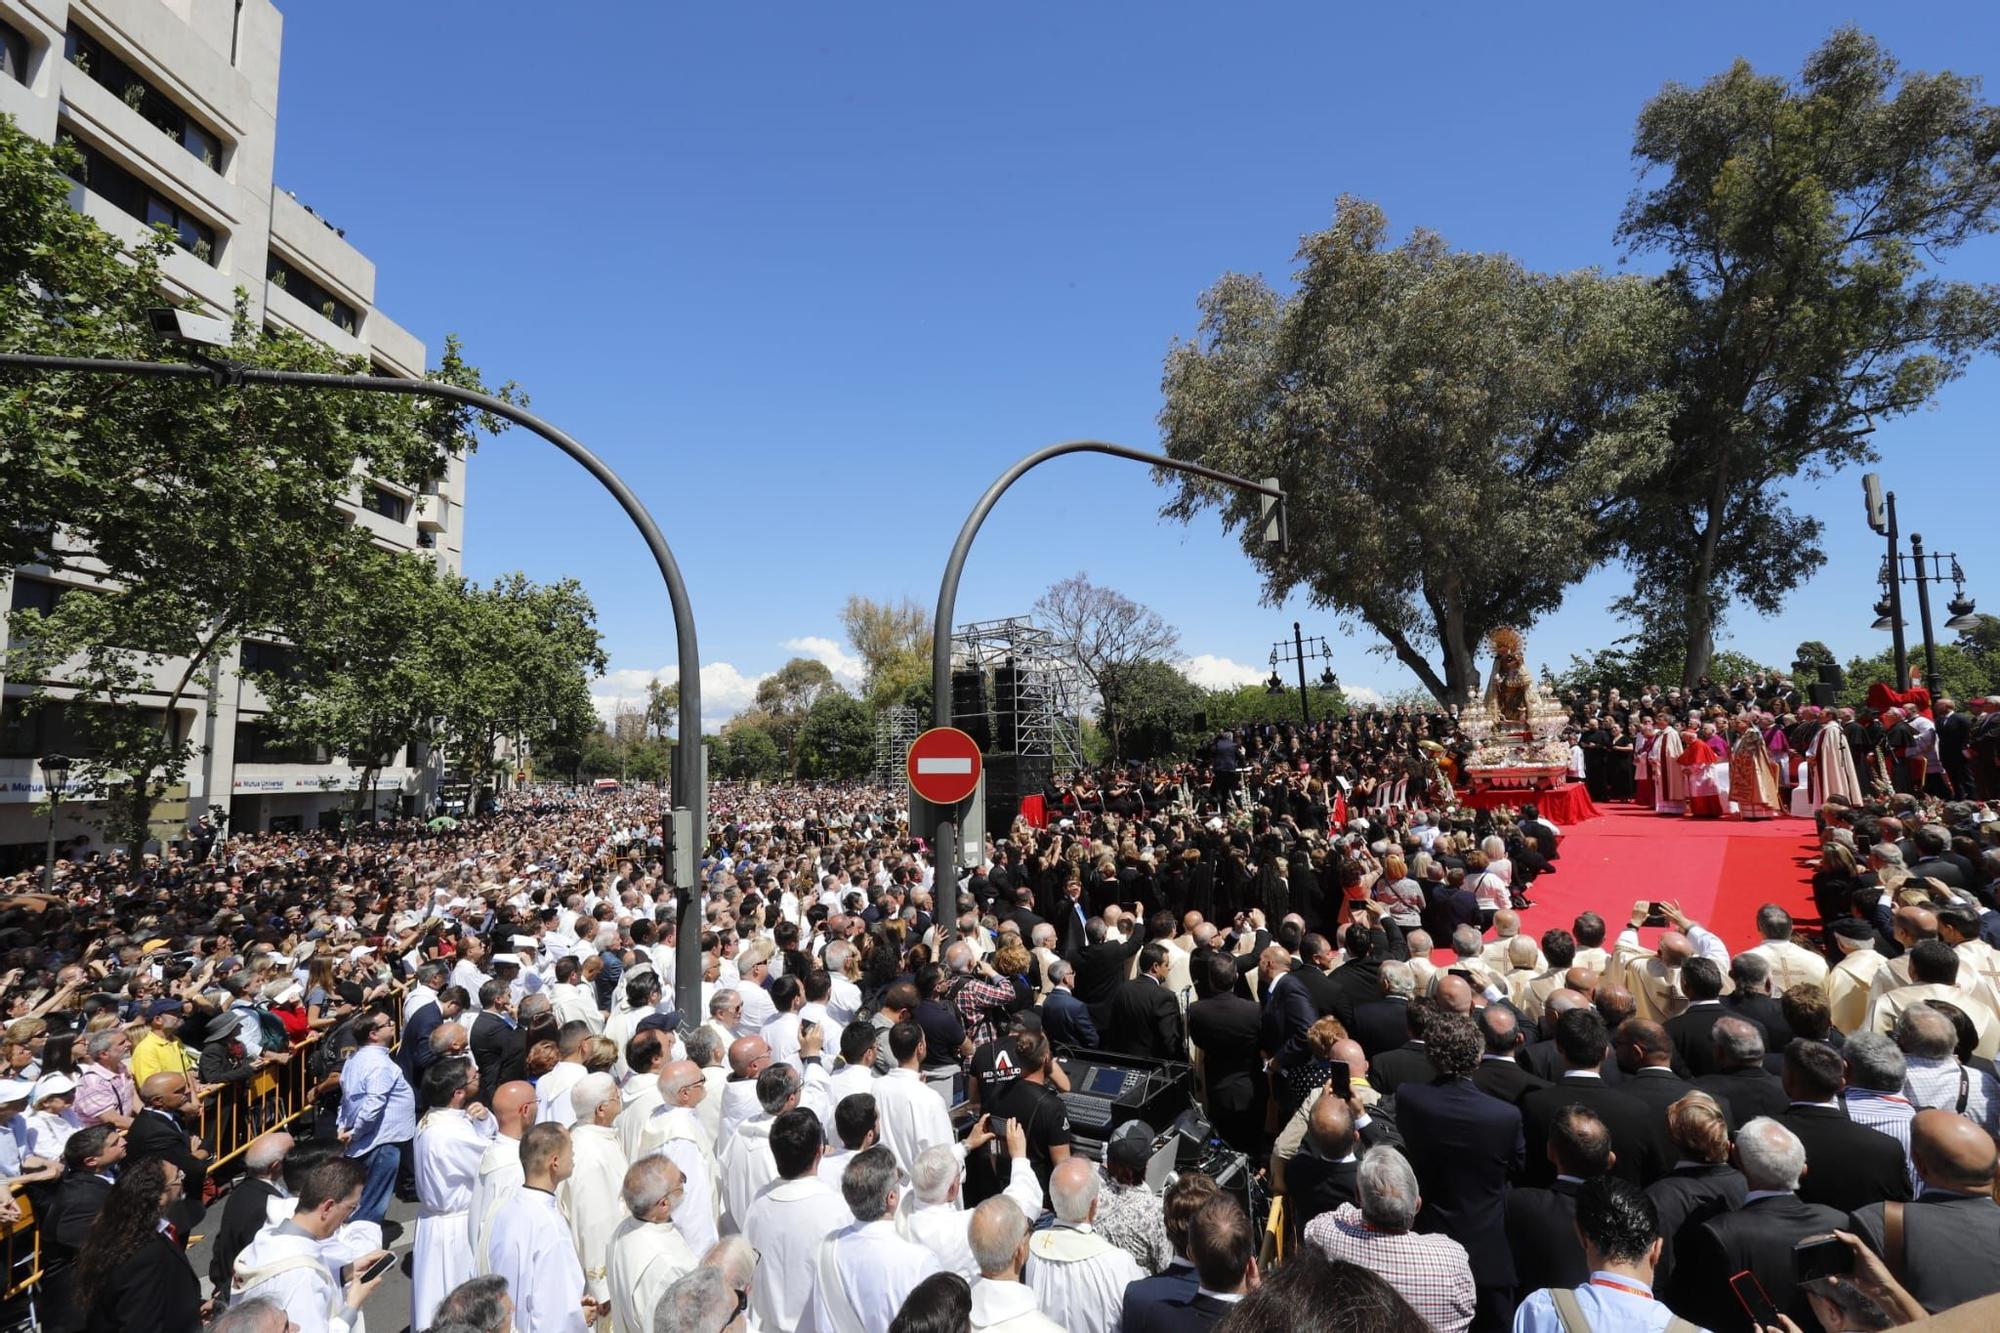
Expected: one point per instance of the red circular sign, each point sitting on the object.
(943, 765)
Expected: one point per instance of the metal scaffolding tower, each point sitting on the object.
(1051, 690)
(895, 728)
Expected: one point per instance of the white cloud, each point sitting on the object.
(845, 666)
(1362, 696)
(725, 691)
(1219, 673)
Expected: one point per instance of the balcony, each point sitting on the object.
(433, 513)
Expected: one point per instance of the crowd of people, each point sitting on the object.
(1447, 1120)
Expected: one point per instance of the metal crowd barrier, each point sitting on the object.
(231, 1117)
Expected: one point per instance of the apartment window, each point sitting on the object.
(59, 727)
(381, 500)
(33, 594)
(93, 58)
(13, 52)
(118, 187)
(257, 743)
(262, 658)
(20, 729)
(284, 274)
(427, 540)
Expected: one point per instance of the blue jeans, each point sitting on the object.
(382, 1161)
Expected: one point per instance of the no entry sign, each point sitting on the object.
(944, 765)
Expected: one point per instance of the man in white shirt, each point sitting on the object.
(787, 1222)
(1001, 1303)
(910, 1115)
(646, 1053)
(572, 997)
(1078, 1276)
(648, 1254)
(553, 1088)
(514, 1109)
(1654, 975)
(788, 996)
(753, 967)
(936, 1219)
(1851, 981)
(286, 1262)
(642, 994)
(466, 972)
(863, 1273)
(746, 1162)
(531, 1245)
(748, 1057)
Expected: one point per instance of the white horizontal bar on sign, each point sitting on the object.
(944, 764)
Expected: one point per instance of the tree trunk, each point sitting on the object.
(1699, 612)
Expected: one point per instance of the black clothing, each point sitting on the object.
(1633, 1138)
(1042, 1114)
(1690, 1032)
(1227, 1029)
(1759, 1237)
(242, 1219)
(1541, 1230)
(1747, 1094)
(154, 1134)
(1500, 1077)
(1408, 1063)
(1381, 1025)
(497, 1052)
(1686, 1197)
(1146, 1020)
(1848, 1165)
(1100, 970)
(152, 1291)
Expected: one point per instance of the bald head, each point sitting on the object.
(1521, 952)
(1952, 1152)
(1561, 1001)
(514, 1107)
(1506, 922)
(1582, 980)
(1332, 1128)
(1453, 994)
(997, 1236)
(677, 1078)
(1916, 924)
(1675, 949)
(1073, 1188)
(1348, 1052)
(162, 1087)
(1615, 1003)
(748, 1056)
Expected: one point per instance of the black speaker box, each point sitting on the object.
(969, 712)
(1823, 693)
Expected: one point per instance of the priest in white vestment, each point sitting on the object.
(514, 1109)
(640, 1093)
(745, 1162)
(910, 1115)
(936, 1218)
(553, 1088)
(748, 1057)
(451, 1142)
(863, 1273)
(676, 1133)
(531, 1245)
(1077, 1275)
(787, 1222)
(647, 1254)
(295, 1259)
(590, 1197)
(1001, 1302)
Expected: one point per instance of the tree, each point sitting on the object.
(837, 739)
(1981, 642)
(1795, 219)
(893, 641)
(1632, 663)
(196, 513)
(1158, 711)
(1447, 426)
(1255, 705)
(746, 752)
(1104, 629)
(787, 696)
(663, 707)
(1812, 655)
(372, 665)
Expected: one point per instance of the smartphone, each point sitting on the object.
(807, 1025)
(1341, 1079)
(1655, 915)
(1465, 975)
(1822, 1256)
(1756, 1303)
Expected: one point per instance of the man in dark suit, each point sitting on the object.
(1751, 998)
(1072, 922)
(1288, 1012)
(1023, 915)
(1222, 1241)
(1145, 1017)
(495, 1042)
(1952, 1230)
(1411, 1062)
(1357, 980)
(1745, 1088)
(1541, 1222)
(1645, 1058)
(243, 1214)
(1321, 1175)
(415, 1055)
(1852, 1165)
(1758, 1237)
(1541, 835)
(1226, 1028)
(1315, 958)
(1543, 1058)
(1065, 1018)
(1384, 1024)
(1702, 1184)
(90, 1163)
(158, 1131)
(1694, 1053)
(1100, 968)
(1175, 1287)
(1464, 1146)
(1499, 1073)
(1581, 1040)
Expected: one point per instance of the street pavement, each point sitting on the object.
(387, 1310)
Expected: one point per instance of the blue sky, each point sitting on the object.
(809, 276)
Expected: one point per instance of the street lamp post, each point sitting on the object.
(943, 822)
(685, 825)
(1300, 650)
(55, 776)
(1925, 568)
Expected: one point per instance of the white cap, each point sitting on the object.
(512, 959)
(360, 951)
(50, 1085)
(526, 942)
(15, 1090)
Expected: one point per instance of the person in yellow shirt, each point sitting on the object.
(160, 1050)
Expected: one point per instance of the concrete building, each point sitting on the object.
(174, 104)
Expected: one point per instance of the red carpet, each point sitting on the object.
(1720, 872)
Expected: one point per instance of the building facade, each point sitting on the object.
(173, 105)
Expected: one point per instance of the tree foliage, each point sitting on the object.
(1961, 675)
(1795, 219)
(1255, 705)
(1632, 663)
(1104, 630)
(196, 513)
(1448, 427)
(893, 641)
(837, 739)
(1158, 711)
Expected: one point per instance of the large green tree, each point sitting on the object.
(531, 651)
(837, 738)
(193, 513)
(1158, 711)
(1796, 219)
(1448, 427)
